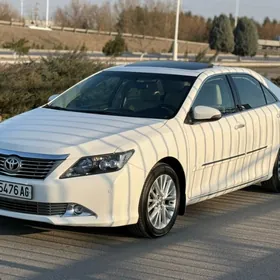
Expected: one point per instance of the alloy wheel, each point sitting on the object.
(162, 201)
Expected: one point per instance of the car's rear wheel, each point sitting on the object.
(159, 203)
(274, 183)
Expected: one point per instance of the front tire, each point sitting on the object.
(159, 203)
(274, 183)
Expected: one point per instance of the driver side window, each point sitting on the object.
(216, 93)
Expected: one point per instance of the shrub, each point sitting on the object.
(83, 48)
(20, 47)
(115, 47)
(171, 48)
(276, 81)
(24, 86)
(201, 56)
(186, 54)
(58, 47)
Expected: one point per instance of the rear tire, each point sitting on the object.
(273, 184)
(159, 203)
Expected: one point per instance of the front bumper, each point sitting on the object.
(112, 197)
(59, 220)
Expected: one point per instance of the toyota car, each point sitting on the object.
(134, 145)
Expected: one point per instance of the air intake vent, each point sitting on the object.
(35, 208)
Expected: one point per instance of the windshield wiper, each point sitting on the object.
(76, 110)
(55, 108)
(98, 112)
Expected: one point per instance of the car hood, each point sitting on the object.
(49, 131)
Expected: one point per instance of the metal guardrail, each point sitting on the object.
(10, 59)
(269, 44)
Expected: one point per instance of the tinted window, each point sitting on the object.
(250, 91)
(127, 94)
(270, 99)
(273, 88)
(216, 93)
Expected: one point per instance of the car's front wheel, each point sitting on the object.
(159, 203)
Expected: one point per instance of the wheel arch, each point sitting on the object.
(178, 168)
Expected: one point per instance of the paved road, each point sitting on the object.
(236, 236)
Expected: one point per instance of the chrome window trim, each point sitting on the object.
(33, 155)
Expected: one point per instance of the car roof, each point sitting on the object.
(165, 67)
(172, 64)
(193, 69)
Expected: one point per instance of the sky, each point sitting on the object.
(258, 9)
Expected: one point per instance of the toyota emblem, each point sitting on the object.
(12, 164)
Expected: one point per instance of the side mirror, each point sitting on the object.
(205, 113)
(51, 98)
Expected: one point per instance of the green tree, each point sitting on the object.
(266, 21)
(7, 11)
(20, 47)
(221, 36)
(115, 47)
(246, 38)
(232, 20)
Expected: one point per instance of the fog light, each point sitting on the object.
(74, 209)
(78, 209)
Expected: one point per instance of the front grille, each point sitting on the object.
(35, 208)
(30, 168)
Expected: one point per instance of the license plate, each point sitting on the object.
(15, 190)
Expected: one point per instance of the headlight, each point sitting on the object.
(98, 164)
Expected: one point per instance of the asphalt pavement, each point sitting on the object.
(236, 236)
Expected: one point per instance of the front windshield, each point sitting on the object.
(130, 94)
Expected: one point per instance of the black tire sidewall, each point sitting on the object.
(159, 169)
(275, 178)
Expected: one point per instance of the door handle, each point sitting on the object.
(239, 126)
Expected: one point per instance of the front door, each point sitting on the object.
(219, 146)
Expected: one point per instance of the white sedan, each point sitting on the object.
(134, 145)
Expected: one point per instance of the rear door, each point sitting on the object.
(261, 117)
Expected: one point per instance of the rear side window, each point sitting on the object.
(270, 99)
(250, 91)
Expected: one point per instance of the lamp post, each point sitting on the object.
(21, 9)
(236, 12)
(175, 47)
(47, 13)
